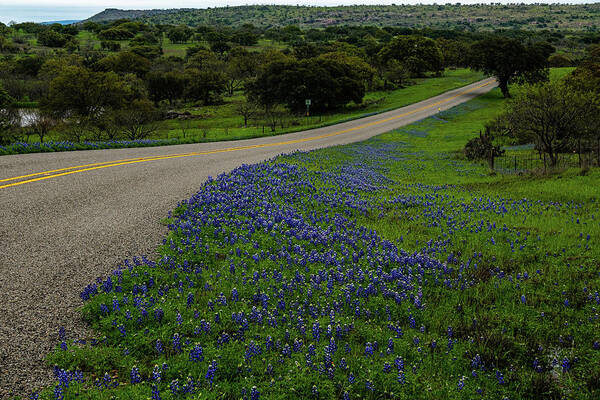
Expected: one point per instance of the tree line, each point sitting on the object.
(123, 92)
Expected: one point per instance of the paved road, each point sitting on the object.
(59, 230)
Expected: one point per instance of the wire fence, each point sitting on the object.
(531, 161)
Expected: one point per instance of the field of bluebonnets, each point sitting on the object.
(54, 146)
(387, 269)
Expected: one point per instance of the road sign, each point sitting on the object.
(307, 102)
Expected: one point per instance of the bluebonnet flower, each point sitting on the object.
(254, 393)
(197, 353)
(159, 346)
(210, 373)
(58, 393)
(155, 392)
(316, 331)
(368, 349)
(174, 387)
(401, 378)
(176, 342)
(500, 377)
(566, 364)
(156, 373)
(135, 376)
(387, 367)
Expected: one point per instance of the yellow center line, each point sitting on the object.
(74, 167)
(90, 167)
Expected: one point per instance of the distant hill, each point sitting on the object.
(64, 22)
(473, 17)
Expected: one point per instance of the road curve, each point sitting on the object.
(68, 218)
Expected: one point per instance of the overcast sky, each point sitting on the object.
(52, 10)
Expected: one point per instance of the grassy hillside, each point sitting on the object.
(478, 17)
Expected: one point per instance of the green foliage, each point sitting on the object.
(6, 118)
(144, 39)
(79, 91)
(51, 38)
(180, 34)
(419, 54)
(116, 33)
(124, 62)
(552, 115)
(483, 147)
(509, 60)
(330, 84)
(204, 85)
(465, 17)
(166, 85)
(146, 51)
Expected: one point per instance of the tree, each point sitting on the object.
(147, 52)
(168, 86)
(247, 110)
(51, 38)
(205, 85)
(418, 53)
(552, 115)
(115, 34)
(509, 60)
(124, 62)
(7, 118)
(185, 125)
(329, 83)
(453, 52)
(110, 45)
(361, 68)
(180, 34)
(41, 124)
(144, 39)
(395, 72)
(587, 75)
(484, 146)
(221, 47)
(241, 66)
(79, 91)
(138, 120)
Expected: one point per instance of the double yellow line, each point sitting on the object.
(55, 173)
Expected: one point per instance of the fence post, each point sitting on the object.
(515, 163)
(544, 162)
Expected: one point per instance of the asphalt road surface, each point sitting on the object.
(68, 218)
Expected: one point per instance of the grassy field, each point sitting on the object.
(391, 268)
